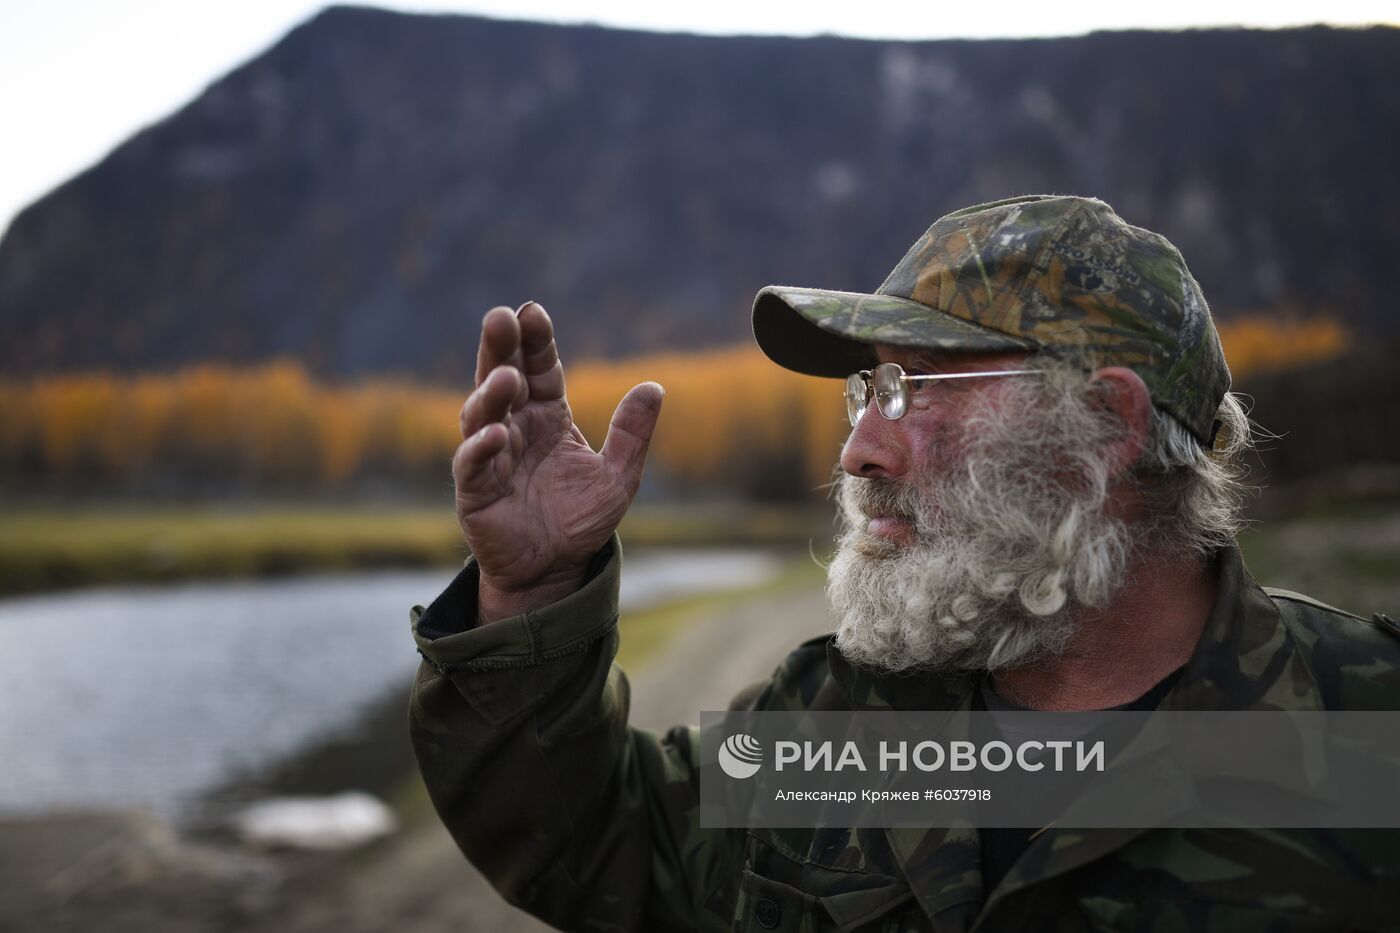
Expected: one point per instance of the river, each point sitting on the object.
(153, 696)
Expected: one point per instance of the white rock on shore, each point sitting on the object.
(338, 822)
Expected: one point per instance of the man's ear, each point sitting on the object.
(1123, 392)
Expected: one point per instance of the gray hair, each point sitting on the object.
(1196, 494)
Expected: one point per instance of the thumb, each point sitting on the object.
(629, 433)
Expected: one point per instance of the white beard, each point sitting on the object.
(1006, 549)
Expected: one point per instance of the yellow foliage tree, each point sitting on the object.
(732, 420)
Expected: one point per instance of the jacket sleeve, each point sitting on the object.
(520, 730)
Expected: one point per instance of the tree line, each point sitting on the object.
(732, 422)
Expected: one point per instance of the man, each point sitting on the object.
(1046, 523)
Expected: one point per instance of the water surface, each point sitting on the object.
(150, 696)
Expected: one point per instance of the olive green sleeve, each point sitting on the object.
(520, 729)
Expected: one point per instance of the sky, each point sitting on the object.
(79, 77)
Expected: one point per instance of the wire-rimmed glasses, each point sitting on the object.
(889, 384)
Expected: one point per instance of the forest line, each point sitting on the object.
(732, 421)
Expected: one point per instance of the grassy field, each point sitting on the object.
(50, 549)
(1348, 556)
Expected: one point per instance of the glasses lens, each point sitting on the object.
(891, 397)
(856, 397)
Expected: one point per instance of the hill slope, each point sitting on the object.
(356, 196)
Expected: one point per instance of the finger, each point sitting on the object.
(522, 393)
(517, 441)
(543, 370)
(629, 433)
(500, 342)
(492, 400)
(472, 462)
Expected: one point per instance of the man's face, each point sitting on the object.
(926, 442)
(977, 523)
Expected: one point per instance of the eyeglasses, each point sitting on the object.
(890, 385)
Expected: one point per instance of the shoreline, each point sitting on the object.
(51, 550)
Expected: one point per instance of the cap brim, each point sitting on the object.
(826, 333)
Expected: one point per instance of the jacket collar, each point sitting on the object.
(1247, 659)
(866, 689)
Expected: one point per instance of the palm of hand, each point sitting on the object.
(534, 501)
(550, 506)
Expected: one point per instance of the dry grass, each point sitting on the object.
(49, 549)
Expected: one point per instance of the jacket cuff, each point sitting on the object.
(449, 639)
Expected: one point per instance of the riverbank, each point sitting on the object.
(49, 549)
(129, 871)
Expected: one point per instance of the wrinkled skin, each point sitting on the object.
(534, 501)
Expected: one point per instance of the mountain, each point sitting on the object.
(359, 194)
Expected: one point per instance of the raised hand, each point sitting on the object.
(533, 499)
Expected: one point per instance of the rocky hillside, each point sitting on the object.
(356, 196)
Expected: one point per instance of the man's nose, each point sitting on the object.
(876, 448)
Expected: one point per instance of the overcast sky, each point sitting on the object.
(78, 77)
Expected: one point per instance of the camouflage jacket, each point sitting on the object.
(521, 732)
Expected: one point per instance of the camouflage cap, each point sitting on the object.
(1064, 274)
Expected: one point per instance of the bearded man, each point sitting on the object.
(1039, 502)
